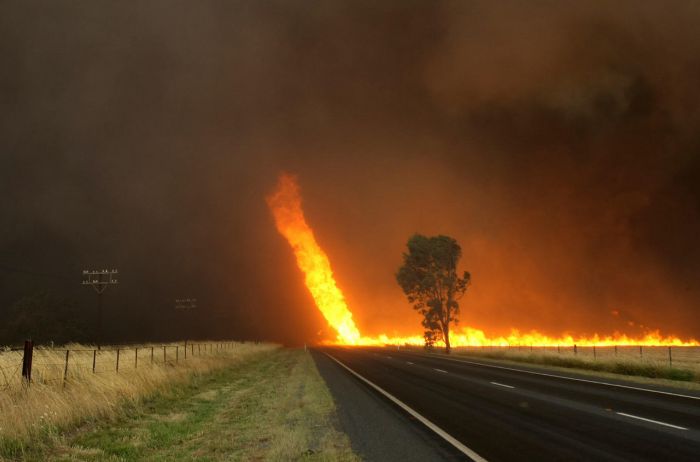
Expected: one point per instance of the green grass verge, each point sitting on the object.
(275, 407)
(639, 369)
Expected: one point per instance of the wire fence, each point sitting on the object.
(24, 366)
(672, 356)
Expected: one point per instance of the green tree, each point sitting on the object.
(430, 281)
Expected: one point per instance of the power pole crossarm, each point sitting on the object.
(100, 280)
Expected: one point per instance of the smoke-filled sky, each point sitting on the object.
(558, 142)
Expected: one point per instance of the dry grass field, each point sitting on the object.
(676, 363)
(60, 398)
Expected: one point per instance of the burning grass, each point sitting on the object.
(41, 412)
(650, 363)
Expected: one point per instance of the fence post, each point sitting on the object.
(199, 349)
(177, 353)
(670, 359)
(615, 350)
(27, 361)
(136, 358)
(185, 349)
(575, 350)
(165, 357)
(151, 355)
(192, 346)
(65, 369)
(94, 360)
(594, 356)
(640, 351)
(117, 360)
(558, 350)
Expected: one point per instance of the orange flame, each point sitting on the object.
(470, 336)
(285, 204)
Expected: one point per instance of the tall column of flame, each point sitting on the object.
(285, 204)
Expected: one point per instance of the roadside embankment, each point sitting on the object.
(33, 414)
(272, 405)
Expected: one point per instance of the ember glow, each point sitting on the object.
(285, 204)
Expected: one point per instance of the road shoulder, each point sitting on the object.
(378, 430)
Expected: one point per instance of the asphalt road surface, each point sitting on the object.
(510, 413)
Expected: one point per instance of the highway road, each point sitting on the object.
(510, 413)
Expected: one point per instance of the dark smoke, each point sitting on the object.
(557, 141)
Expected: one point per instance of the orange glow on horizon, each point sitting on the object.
(285, 205)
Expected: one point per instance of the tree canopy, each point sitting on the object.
(430, 281)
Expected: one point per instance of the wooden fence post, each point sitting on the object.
(640, 351)
(575, 350)
(177, 353)
(594, 356)
(151, 355)
(65, 369)
(185, 349)
(94, 360)
(117, 360)
(27, 361)
(136, 358)
(670, 359)
(165, 356)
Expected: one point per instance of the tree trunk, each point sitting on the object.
(446, 334)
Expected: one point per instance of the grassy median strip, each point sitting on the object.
(275, 407)
(641, 369)
(637, 371)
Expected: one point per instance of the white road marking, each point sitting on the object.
(502, 385)
(571, 378)
(652, 421)
(442, 433)
(409, 363)
(440, 370)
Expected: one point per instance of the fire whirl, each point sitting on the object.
(285, 204)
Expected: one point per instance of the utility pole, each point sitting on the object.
(185, 304)
(99, 280)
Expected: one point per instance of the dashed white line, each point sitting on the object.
(652, 421)
(502, 385)
(575, 379)
(409, 363)
(440, 370)
(446, 436)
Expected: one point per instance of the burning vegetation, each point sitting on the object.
(285, 205)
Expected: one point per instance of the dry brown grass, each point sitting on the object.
(274, 406)
(652, 362)
(53, 403)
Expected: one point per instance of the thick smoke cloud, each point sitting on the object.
(556, 141)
